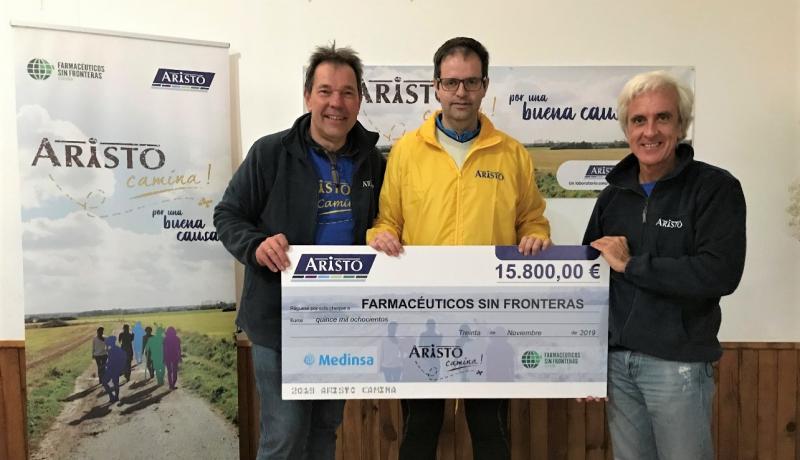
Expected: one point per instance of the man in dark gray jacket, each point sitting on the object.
(315, 183)
(673, 231)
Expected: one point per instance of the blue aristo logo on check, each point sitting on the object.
(333, 267)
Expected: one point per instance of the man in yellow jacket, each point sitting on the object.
(459, 181)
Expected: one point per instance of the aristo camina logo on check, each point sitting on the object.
(39, 69)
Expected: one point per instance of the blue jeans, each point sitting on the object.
(292, 430)
(658, 409)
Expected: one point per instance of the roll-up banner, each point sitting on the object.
(124, 148)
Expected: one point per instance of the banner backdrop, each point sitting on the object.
(124, 148)
(565, 116)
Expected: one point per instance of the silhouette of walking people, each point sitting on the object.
(391, 355)
(500, 354)
(149, 373)
(172, 356)
(126, 344)
(99, 353)
(155, 345)
(114, 368)
(432, 338)
(138, 339)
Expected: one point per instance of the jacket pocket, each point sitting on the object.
(702, 322)
(658, 319)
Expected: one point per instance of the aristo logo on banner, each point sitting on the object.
(183, 79)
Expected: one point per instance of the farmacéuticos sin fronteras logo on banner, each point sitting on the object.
(41, 69)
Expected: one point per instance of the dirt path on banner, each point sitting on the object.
(148, 422)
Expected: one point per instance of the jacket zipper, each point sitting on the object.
(636, 294)
(334, 171)
(644, 210)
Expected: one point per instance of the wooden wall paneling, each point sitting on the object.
(519, 421)
(715, 409)
(248, 403)
(23, 391)
(352, 435)
(557, 436)
(390, 419)
(13, 425)
(576, 429)
(596, 432)
(767, 403)
(462, 439)
(727, 396)
(797, 410)
(786, 422)
(755, 416)
(539, 429)
(339, 444)
(447, 436)
(4, 414)
(371, 447)
(748, 405)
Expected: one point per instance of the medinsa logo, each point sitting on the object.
(343, 267)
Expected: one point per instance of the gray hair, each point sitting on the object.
(653, 81)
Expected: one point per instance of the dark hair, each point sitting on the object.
(465, 46)
(100, 330)
(332, 54)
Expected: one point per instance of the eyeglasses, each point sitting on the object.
(452, 84)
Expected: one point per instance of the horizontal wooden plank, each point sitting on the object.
(12, 344)
(761, 345)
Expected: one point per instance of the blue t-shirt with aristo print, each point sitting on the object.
(335, 224)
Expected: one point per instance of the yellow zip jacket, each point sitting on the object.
(492, 200)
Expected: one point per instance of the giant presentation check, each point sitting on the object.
(444, 322)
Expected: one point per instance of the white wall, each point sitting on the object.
(748, 96)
